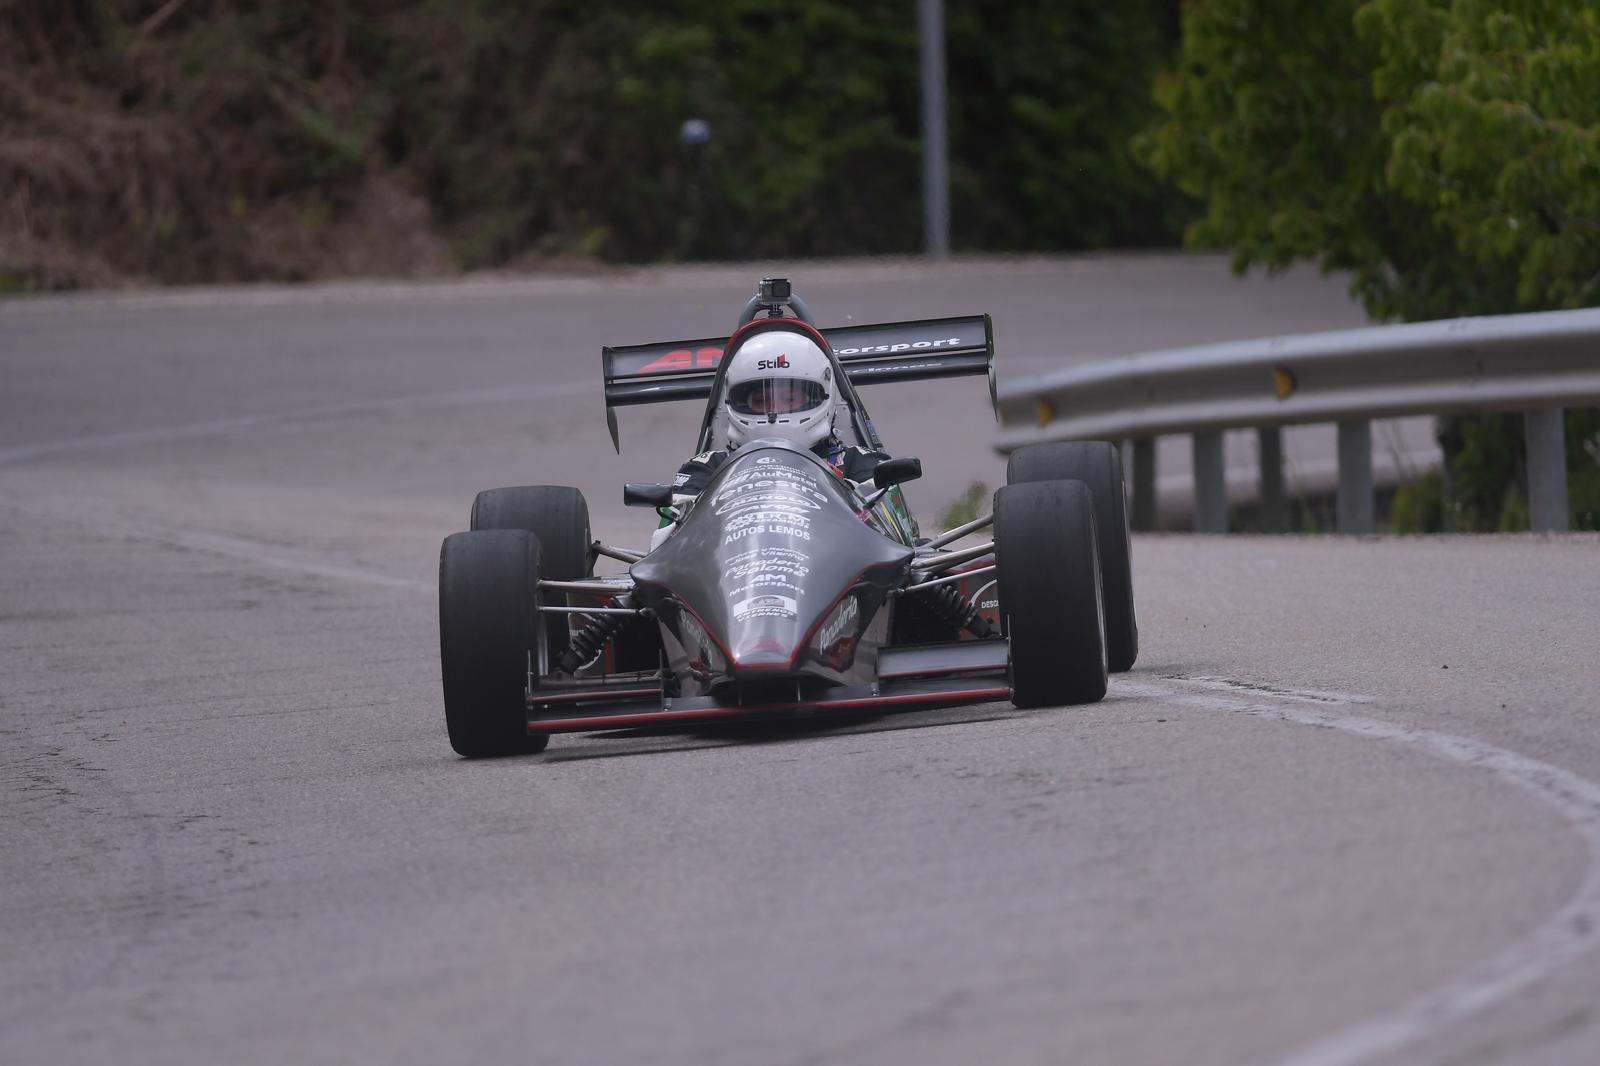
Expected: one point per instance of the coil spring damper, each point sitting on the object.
(947, 604)
(591, 640)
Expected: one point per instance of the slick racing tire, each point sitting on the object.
(487, 627)
(559, 517)
(1048, 573)
(1098, 465)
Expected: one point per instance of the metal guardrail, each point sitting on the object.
(1534, 363)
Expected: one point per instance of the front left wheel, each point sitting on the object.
(558, 516)
(488, 628)
(1098, 464)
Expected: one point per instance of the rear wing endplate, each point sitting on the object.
(891, 351)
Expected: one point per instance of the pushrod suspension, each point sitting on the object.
(960, 531)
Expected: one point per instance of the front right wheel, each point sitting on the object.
(1047, 566)
(489, 626)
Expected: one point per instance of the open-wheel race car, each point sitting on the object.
(783, 581)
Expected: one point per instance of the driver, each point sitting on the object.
(780, 384)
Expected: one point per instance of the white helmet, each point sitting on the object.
(780, 384)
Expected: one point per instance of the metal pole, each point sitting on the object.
(1274, 506)
(1210, 484)
(1354, 505)
(1547, 470)
(935, 150)
(1143, 519)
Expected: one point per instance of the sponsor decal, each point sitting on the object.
(777, 501)
(765, 607)
(696, 645)
(841, 623)
(749, 494)
(767, 481)
(777, 480)
(793, 516)
(988, 605)
(893, 368)
(903, 346)
(790, 531)
(683, 359)
(769, 554)
(766, 570)
(780, 363)
(681, 479)
(770, 583)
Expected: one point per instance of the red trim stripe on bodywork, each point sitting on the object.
(633, 719)
(761, 325)
(580, 695)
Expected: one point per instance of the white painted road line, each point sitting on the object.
(1570, 932)
(245, 423)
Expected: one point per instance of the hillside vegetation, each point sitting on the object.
(227, 140)
(1444, 152)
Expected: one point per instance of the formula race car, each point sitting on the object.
(782, 587)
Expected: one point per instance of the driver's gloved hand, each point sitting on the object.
(681, 503)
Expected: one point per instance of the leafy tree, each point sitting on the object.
(1444, 152)
(1044, 98)
(1495, 127)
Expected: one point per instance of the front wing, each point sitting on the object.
(909, 677)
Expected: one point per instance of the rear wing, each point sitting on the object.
(891, 351)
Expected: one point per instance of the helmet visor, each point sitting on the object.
(775, 396)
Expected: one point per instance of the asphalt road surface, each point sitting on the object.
(1345, 810)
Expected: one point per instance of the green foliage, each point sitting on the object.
(195, 141)
(1272, 122)
(974, 500)
(1444, 152)
(1045, 98)
(1495, 126)
(1419, 506)
(1486, 487)
(1583, 468)
(815, 144)
(1447, 153)
(14, 284)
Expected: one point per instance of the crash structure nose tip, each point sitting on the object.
(762, 652)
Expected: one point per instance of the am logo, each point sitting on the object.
(684, 359)
(780, 363)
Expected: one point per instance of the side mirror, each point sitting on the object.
(639, 494)
(896, 471)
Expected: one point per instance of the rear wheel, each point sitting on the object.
(1048, 573)
(559, 516)
(488, 625)
(1098, 465)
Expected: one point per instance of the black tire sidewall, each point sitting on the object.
(488, 624)
(558, 516)
(1098, 464)
(1050, 590)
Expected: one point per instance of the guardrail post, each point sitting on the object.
(1143, 518)
(1210, 484)
(1547, 470)
(1355, 506)
(1274, 507)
